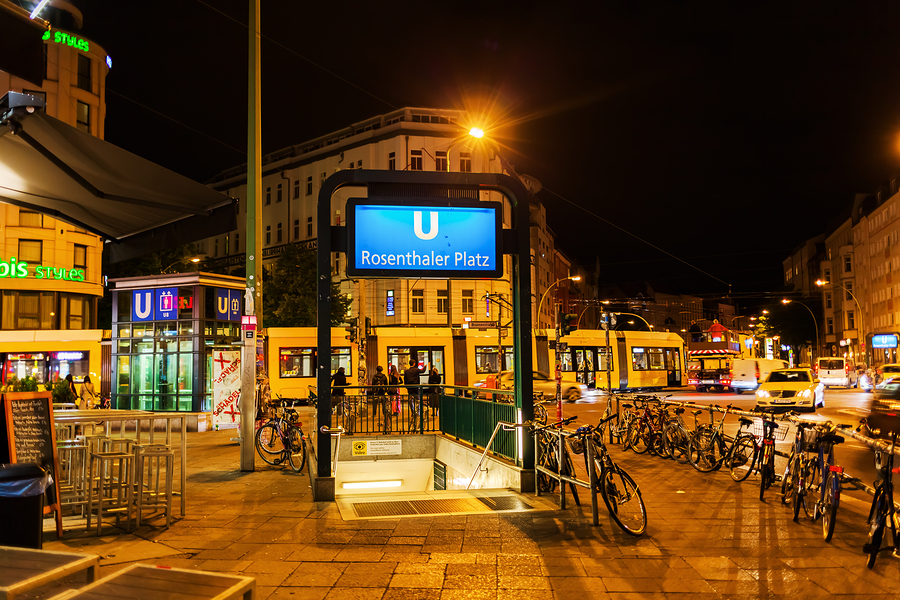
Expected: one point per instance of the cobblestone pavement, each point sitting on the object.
(708, 537)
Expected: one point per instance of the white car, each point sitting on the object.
(543, 383)
(790, 389)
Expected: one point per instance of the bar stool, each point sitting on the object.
(149, 495)
(111, 444)
(112, 480)
(94, 442)
(73, 473)
(65, 432)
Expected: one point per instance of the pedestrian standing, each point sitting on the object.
(434, 378)
(338, 383)
(380, 381)
(87, 394)
(394, 383)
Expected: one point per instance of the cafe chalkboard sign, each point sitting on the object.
(26, 423)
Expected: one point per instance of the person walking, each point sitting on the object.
(394, 383)
(434, 379)
(380, 381)
(87, 394)
(338, 383)
(411, 377)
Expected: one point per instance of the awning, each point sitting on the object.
(138, 206)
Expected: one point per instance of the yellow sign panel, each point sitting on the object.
(359, 449)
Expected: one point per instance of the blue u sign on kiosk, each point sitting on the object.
(423, 238)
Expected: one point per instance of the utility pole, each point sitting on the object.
(559, 410)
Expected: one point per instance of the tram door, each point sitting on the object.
(427, 358)
(673, 366)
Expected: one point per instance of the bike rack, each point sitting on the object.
(563, 479)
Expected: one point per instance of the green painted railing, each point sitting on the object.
(471, 414)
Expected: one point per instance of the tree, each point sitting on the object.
(289, 294)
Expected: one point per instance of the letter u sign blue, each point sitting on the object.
(142, 305)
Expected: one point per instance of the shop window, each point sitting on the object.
(296, 362)
(76, 364)
(30, 251)
(21, 366)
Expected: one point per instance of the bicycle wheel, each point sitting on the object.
(829, 509)
(788, 482)
(268, 444)
(388, 416)
(742, 457)
(658, 444)
(623, 499)
(766, 470)
(706, 451)
(799, 496)
(876, 531)
(812, 490)
(540, 414)
(297, 451)
(637, 441)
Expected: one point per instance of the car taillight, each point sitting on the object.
(836, 469)
(757, 371)
(847, 368)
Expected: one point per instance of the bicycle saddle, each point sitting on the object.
(678, 411)
(696, 412)
(628, 406)
(745, 421)
(830, 438)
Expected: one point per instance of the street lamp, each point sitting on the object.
(815, 322)
(862, 318)
(541, 303)
(194, 260)
(638, 316)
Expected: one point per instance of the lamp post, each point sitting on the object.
(194, 260)
(862, 318)
(649, 326)
(812, 358)
(540, 304)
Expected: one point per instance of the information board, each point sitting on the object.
(416, 237)
(30, 436)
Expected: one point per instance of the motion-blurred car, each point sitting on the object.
(543, 383)
(788, 389)
(890, 373)
(884, 411)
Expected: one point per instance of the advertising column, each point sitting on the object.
(226, 389)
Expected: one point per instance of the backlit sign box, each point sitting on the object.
(884, 341)
(418, 237)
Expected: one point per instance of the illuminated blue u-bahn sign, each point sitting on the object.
(423, 238)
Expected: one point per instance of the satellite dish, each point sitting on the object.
(534, 186)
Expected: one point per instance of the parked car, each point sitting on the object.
(797, 389)
(836, 371)
(543, 383)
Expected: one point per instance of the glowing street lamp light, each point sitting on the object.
(785, 301)
(541, 303)
(476, 132)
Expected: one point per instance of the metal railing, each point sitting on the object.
(472, 414)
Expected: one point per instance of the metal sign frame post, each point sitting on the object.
(438, 186)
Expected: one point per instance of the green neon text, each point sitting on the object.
(64, 38)
(19, 270)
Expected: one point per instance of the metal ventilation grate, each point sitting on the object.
(403, 508)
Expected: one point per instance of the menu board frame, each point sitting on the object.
(48, 434)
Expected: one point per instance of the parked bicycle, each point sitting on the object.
(706, 451)
(619, 491)
(822, 493)
(281, 439)
(883, 513)
(767, 473)
(793, 482)
(677, 437)
(548, 455)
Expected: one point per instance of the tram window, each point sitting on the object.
(487, 359)
(340, 357)
(639, 359)
(296, 362)
(657, 359)
(399, 357)
(601, 359)
(565, 359)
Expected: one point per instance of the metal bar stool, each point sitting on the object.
(111, 477)
(155, 463)
(72, 473)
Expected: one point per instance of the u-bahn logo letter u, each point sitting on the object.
(143, 312)
(222, 305)
(417, 225)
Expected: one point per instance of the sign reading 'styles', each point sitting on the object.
(423, 238)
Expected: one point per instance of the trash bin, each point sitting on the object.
(22, 488)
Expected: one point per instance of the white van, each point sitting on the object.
(748, 373)
(836, 370)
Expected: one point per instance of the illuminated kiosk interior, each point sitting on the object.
(423, 225)
(164, 332)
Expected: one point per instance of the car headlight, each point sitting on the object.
(762, 394)
(807, 393)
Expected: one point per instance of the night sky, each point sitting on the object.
(722, 134)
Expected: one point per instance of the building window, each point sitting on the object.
(359, 164)
(828, 300)
(827, 275)
(268, 196)
(30, 251)
(829, 326)
(268, 235)
(309, 186)
(440, 161)
(392, 161)
(443, 302)
(418, 302)
(468, 302)
(415, 160)
(337, 264)
(848, 264)
(83, 116)
(296, 229)
(851, 320)
(80, 259)
(278, 233)
(278, 193)
(308, 226)
(237, 243)
(216, 247)
(465, 162)
(296, 188)
(84, 72)
(29, 218)
(848, 287)
(322, 179)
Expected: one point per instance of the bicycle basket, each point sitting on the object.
(779, 434)
(810, 441)
(576, 445)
